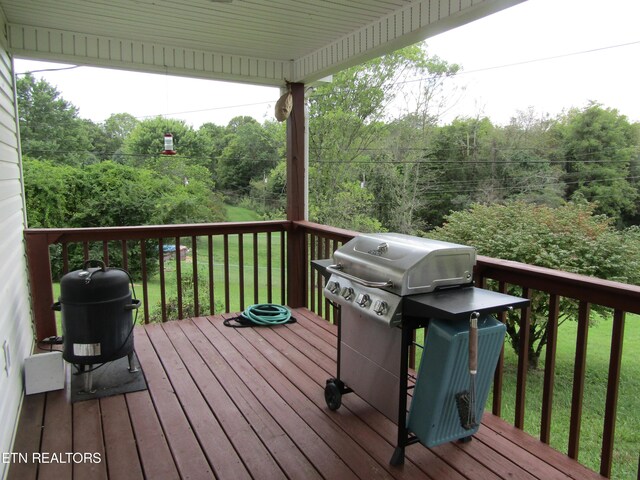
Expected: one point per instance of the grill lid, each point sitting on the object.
(404, 264)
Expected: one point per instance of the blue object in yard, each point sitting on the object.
(169, 248)
(434, 416)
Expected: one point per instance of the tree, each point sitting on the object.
(110, 194)
(570, 238)
(348, 125)
(52, 192)
(251, 151)
(49, 125)
(116, 129)
(599, 147)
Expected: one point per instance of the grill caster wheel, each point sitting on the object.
(332, 395)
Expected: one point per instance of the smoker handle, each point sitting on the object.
(134, 305)
(337, 269)
(99, 262)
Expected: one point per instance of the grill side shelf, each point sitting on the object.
(458, 304)
(321, 267)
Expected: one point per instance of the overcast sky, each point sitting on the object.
(548, 54)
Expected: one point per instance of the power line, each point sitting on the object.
(48, 70)
(545, 59)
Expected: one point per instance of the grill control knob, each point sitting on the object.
(333, 287)
(347, 293)
(380, 307)
(363, 300)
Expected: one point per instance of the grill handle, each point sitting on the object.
(337, 269)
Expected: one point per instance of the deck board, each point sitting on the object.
(154, 452)
(123, 462)
(249, 403)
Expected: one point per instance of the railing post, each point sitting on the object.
(296, 199)
(40, 279)
(613, 384)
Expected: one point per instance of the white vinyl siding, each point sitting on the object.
(15, 317)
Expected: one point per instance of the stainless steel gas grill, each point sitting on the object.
(386, 286)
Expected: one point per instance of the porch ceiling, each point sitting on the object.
(253, 41)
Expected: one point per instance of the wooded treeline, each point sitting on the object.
(368, 169)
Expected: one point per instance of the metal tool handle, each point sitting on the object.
(473, 343)
(337, 269)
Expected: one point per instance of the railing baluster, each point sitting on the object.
(241, 269)
(179, 277)
(334, 310)
(306, 268)
(226, 271)
(313, 283)
(105, 252)
(549, 368)
(85, 251)
(145, 289)
(327, 305)
(65, 258)
(125, 255)
(578, 379)
(269, 270)
(163, 296)
(319, 282)
(194, 268)
(523, 362)
(283, 266)
(499, 373)
(613, 384)
(320, 308)
(212, 298)
(255, 268)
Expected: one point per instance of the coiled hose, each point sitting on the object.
(262, 314)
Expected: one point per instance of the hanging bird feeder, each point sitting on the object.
(168, 145)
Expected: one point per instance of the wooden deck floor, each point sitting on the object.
(249, 403)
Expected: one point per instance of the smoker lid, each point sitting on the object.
(93, 285)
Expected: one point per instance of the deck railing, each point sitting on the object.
(249, 263)
(587, 291)
(227, 265)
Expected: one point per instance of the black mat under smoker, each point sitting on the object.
(112, 378)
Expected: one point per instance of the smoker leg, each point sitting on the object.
(133, 366)
(88, 381)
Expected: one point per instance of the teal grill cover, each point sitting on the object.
(444, 372)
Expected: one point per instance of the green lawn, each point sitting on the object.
(239, 214)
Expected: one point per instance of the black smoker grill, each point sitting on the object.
(388, 285)
(97, 319)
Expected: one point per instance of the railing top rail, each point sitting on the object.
(327, 231)
(60, 235)
(607, 293)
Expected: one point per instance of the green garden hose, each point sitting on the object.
(262, 314)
